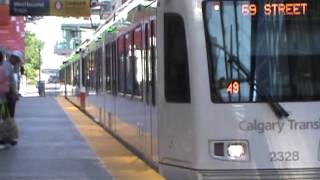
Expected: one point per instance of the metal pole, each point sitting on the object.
(39, 65)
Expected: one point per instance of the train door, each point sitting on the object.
(137, 87)
(109, 95)
(152, 93)
(104, 86)
(151, 125)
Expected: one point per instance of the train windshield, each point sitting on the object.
(265, 48)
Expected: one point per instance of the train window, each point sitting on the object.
(72, 74)
(153, 61)
(77, 75)
(92, 71)
(263, 50)
(61, 75)
(108, 66)
(98, 71)
(83, 70)
(68, 69)
(121, 62)
(69, 74)
(89, 76)
(129, 63)
(114, 69)
(150, 55)
(177, 87)
(88, 62)
(95, 71)
(75, 78)
(137, 69)
(146, 62)
(86, 71)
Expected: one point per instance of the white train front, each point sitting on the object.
(217, 89)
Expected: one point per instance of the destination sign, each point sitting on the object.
(273, 9)
(27, 7)
(50, 8)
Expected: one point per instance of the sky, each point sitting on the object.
(48, 29)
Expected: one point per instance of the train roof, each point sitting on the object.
(119, 21)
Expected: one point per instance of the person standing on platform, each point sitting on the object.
(15, 59)
(8, 127)
(4, 81)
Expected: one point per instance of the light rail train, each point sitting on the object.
(214, 89)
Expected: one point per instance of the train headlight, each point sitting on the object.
(237, 151)
(232, 150)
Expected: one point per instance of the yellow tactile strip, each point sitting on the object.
(120, 162)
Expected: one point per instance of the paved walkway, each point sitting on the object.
(50, 147)
(120, 162)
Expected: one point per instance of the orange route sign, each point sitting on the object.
(273, 9)
(70, 8)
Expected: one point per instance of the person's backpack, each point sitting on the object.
(4, 81)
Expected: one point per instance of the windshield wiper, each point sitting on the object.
(275, 106)
(279, 111)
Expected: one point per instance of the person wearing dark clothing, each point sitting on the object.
(12, 95)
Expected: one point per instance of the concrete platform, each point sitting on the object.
(59, 142)
(120, 162)
(50, 146)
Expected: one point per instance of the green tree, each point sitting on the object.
(33, 57)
